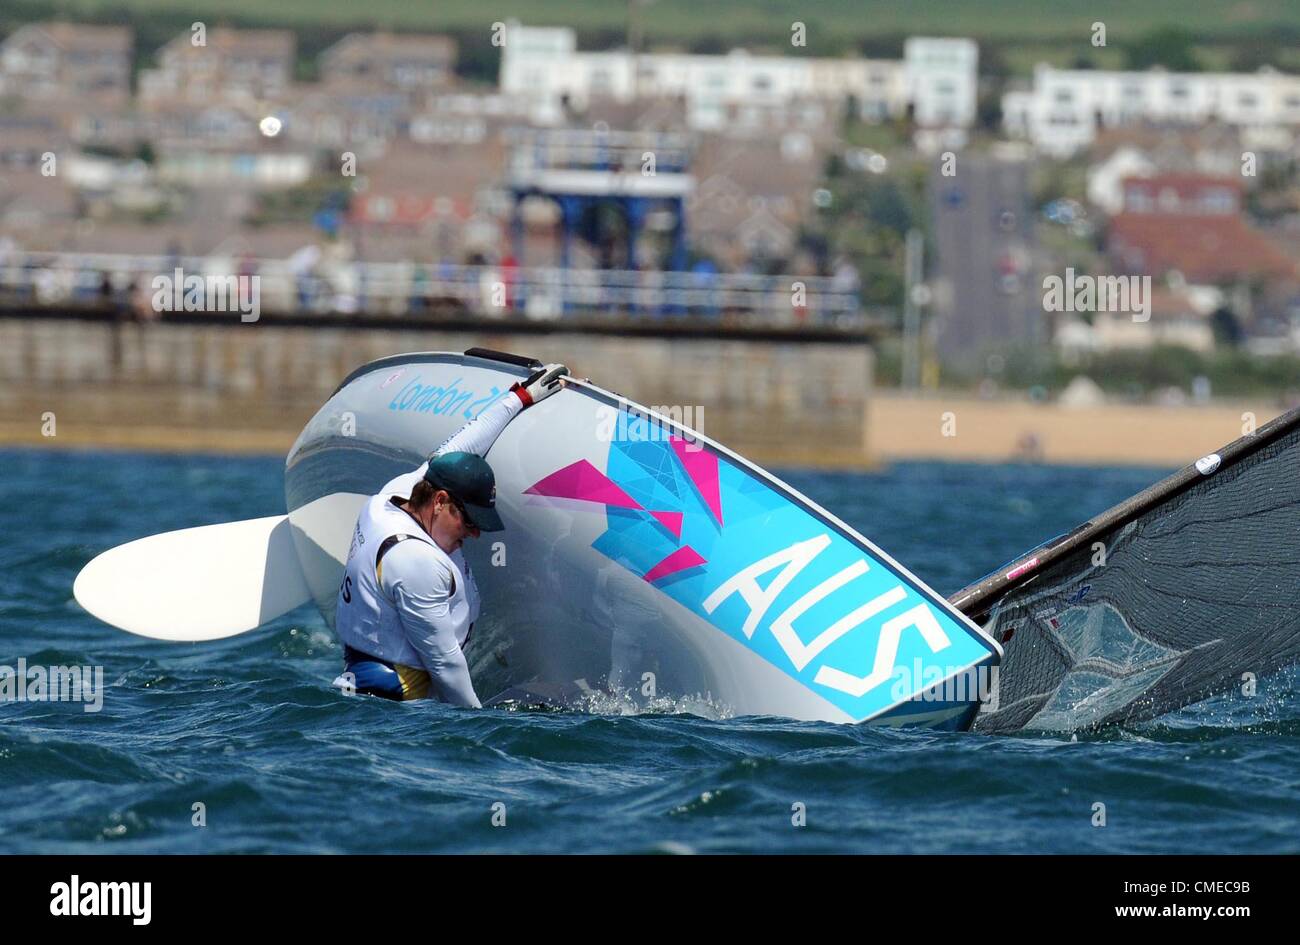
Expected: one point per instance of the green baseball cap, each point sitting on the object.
(470, 481)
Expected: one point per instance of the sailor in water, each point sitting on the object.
(408, 601)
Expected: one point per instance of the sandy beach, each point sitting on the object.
(960, 427)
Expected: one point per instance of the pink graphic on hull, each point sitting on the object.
(702, 467)
(584, 482)
(681, 559)
(671, 521)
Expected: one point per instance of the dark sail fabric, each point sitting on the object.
(1164, 600)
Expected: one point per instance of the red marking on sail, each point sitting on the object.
(1022, 568)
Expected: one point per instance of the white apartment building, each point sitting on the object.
(936, 79)
(941, 76)
(1064, 109)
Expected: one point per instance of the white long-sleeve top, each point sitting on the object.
(419, 606)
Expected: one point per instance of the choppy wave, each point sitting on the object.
(250, 729)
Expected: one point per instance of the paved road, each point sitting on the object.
(982, 222)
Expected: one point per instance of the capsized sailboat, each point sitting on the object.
(640, 560)
(644, 564)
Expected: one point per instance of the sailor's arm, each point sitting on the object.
(420, 587)
(479, 434)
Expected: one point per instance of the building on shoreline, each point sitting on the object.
(934, 83)
(230, 65)
(67, 60)
(1065, 109)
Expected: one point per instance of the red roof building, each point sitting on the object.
(1192, 224)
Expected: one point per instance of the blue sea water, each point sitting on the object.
(251, 729)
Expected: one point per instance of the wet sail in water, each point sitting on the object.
(1164, 600)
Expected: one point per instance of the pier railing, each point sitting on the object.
(308, 285)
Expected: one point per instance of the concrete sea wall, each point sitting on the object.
(250, 388)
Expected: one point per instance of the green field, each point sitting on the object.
(1014, 35)
(831, 23)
